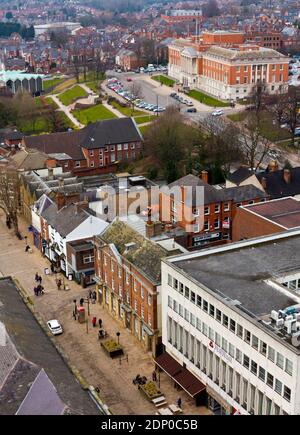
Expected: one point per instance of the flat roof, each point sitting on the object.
(244, 275)
(284, 212)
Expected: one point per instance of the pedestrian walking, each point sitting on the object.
(35, 291)
(154, 377)
(52, 267)
(36, 277)
(100, 323)
(90, 294)
(94, 321)
(58, 284)
(40, 279)
(27, 249)
(179, 402)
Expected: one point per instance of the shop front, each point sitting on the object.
(217, 404)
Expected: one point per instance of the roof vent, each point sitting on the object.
(129, 246)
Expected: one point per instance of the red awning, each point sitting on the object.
(180, 375)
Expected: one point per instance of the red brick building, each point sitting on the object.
(127, 275)
(204, 212)
(93, 150)
(263, 219)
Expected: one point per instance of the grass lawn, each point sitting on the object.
(52, 82)
(61, 87)
(164, 80)
(93, 114)
(207, 99)
(71, 95)
(127, 111)
(238, 117)
(144, 119)
(144, 128)
(42, 125)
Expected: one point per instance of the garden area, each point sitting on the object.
(206, 99)
(71, 95)
(93, 114)
(126, 111)
(144, 119)
(164, 80)
(51, 83)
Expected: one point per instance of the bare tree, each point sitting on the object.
(292, 115)
(278, 107)
(254, 145)
(10, 194)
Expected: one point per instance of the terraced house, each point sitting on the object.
(127, 274)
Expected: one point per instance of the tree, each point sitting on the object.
(8, 113)
(278, 107)
(10, 194)
(292, 106)
(167, 142)
(27, 109)
(9, 15)
(211, 9)
(55, 121)
(254, 145)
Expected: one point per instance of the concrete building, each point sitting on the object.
(230, 316)
(39, 29)
(15, 81)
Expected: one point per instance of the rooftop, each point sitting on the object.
(284, 212)
(249, 275)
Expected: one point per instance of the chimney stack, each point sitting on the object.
(204, 176)
(61, 181)
(50, 173)
(287, 176)
(264, 183)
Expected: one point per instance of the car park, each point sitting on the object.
(54, 327)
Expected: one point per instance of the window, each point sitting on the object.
(232, 325)
(270, 379)
(226, 206)
(218, 339)
(239, 331)
(254, 342)
(132, 146)
(142, 293)
(263, 348)
(216, 224)
(217, 208)
(149, 300)
(175, 306)
(193, 297)
(278, 386)
(119, 147)
(186, 315)
(125, 146)
(271, 354)
(231, 350)
(199, 324)
(246, 362)
(193, 320)
(92, 164)
(88, 259)
(225, 320)
(218, 315)
(206, 210)
(91, 153)
(187, 292)
(280, 360)
(211, 310)
(112, 147)
(253, 367)
(170, 280)
(224, 344)
(247, 337)
(262, 374)
(204, 329)
(288, 366)
(181, 288)
(206, 225)
(211, 334)
(77, 164)
(199, 301)
(205, 306)
(175, 284)
(180, 310)
(287, 393)
(170, 302)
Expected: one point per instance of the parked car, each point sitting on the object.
(274, 154)
(54, 327)
(218, 112)
(173, 94)
(129, 79)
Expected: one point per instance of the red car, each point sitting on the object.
(129, 79)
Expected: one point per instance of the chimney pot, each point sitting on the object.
(204, 176)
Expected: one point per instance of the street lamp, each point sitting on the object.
(118, 335)
(75, 309)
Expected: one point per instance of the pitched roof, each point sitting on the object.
(29, 159)
(276, 186)
(96, 135)
(241, 193)
(64, 220)
(144, 254)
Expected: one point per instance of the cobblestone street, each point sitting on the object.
(112, 376)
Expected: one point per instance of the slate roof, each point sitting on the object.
(29, 159)
(276, 187)
(212, 195)
(240, 175)
(65, 220)
(227, 53)
(145, 255)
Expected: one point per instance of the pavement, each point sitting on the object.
(66, 111)
(112, 376)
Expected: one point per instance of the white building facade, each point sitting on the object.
(247, 364)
